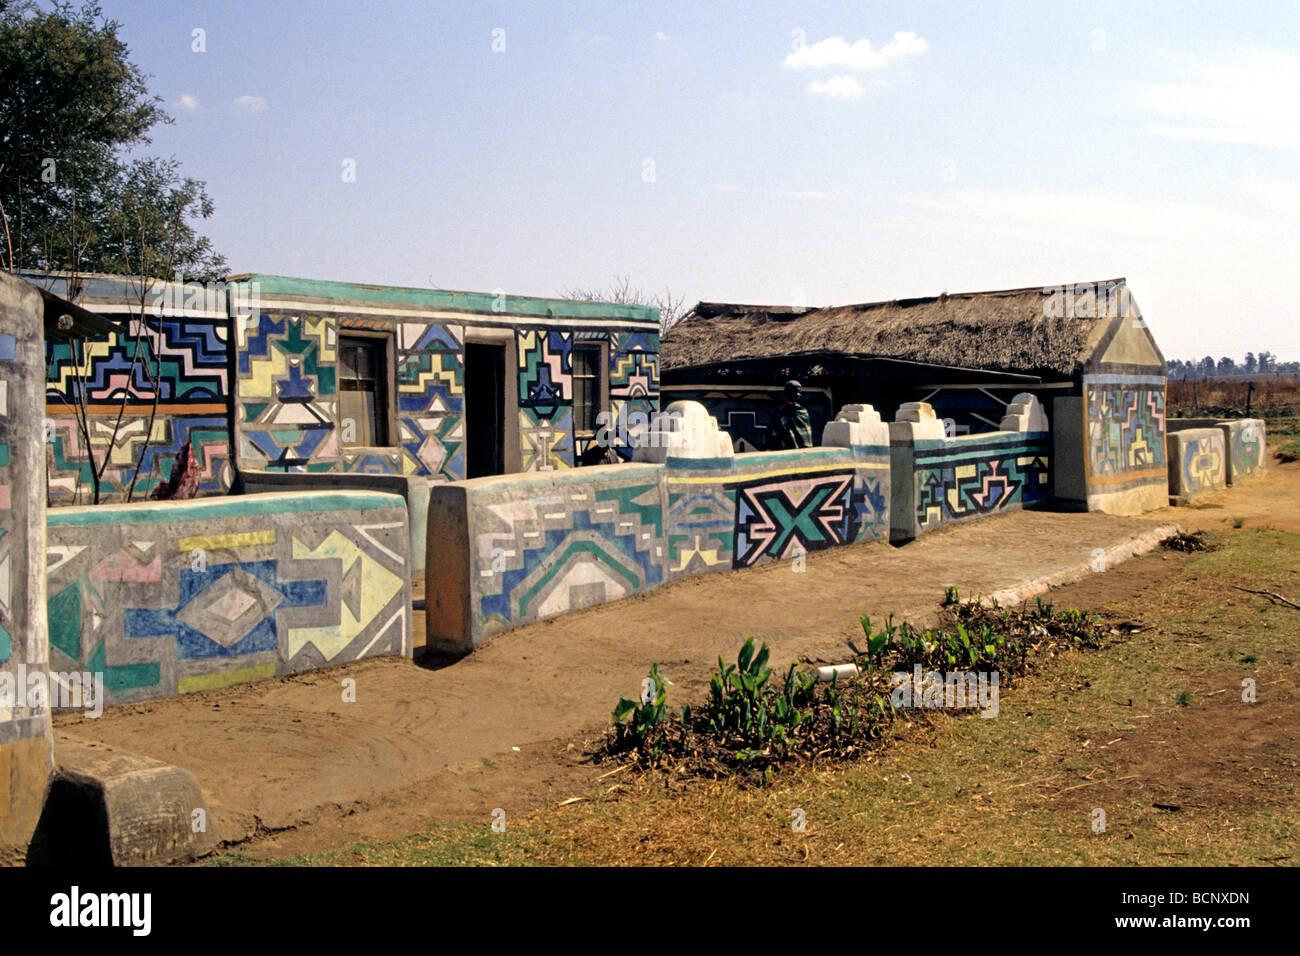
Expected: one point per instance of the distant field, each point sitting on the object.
(1272, 398)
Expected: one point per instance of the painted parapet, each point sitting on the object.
(1197, 463)
(171, 597)
(768, 506)
(938, 480)
(736, 511)
(744, 411)
(160, 382)
(509, 549)
(414, 489)
(1244, 440)
(26, 760)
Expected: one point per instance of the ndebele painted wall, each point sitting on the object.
(287, 408)
(1197, 463)
(171, 597)
(737, 511)
(938, 480)
(26, 759)
(289, 414)
(512, 549)
(1244, 439)
(138, 395)
(1110, 436)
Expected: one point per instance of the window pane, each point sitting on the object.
(362, 391)
(355, 414)
(581, 361)
(365, 361)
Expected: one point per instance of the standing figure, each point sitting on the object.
(789, 426)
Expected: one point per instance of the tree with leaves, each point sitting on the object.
(74, 105)
(71, 201)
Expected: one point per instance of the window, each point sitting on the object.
(363, 390)
(588, 388)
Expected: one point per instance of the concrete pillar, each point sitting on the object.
(26, 758)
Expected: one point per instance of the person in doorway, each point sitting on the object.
(789, 426)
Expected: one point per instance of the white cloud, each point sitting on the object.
(187, 102)
(1249, 101)
(251, 104)
(860, 56)
(837, 88)
(661, 36)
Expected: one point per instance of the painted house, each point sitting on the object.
(142, 388)
(1082, 350)
(341, 378)
(274, 380)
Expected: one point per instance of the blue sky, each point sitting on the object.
(776, 153)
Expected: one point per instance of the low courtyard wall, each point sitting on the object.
(1244, 442)
(1197, 463)
(169, 597)
(937, 480)
(511, 549)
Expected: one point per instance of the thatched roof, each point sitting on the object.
(1012, 330)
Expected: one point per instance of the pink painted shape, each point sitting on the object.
(120, 566)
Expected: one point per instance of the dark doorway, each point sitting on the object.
(485, 403)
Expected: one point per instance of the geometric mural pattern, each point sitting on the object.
(288, 398)
(701, 528)
(1126, 429)
(543, 549)
(957, 483)
(1203, 465)
(286, 411)
(162, 402)
(431, 400)
(745, 513)
(633, 379)
(170, 608)
(579, 544)
(546, 444)
(1247, 448)
(777, 518)
(545, 370)
(287, 394)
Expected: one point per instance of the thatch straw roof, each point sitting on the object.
(1012, 330)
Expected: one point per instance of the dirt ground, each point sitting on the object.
(288, 766)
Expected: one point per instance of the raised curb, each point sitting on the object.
(1115, 554)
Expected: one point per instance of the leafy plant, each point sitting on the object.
(640, 726)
